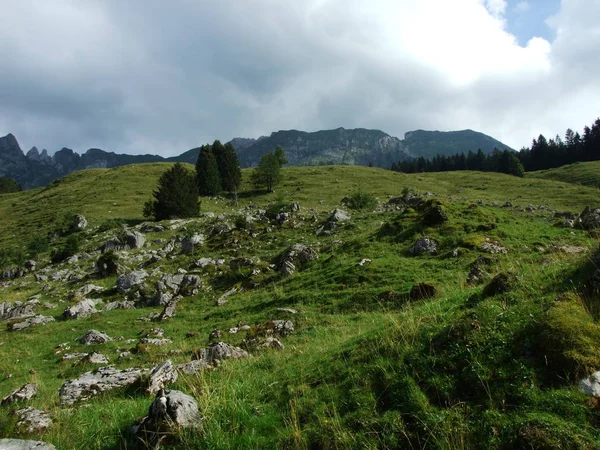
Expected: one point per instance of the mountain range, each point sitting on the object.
(340, 146)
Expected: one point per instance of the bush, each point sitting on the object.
(176, 196)
(361, 200)
(108, 263)
(37, 245)
(70, 248)
(9, 185)
(12, 257)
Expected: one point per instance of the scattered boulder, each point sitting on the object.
(476, 275)
(155, 341)
(161, 376)
(239, 263)
(424, 246)
(81, 309)
(338, 215)
(134, 239)
(271, 342)
(94, 358)
(282, 327)
(219, 351)
(224, 298)
(119, 304)
(18, 312)
(94, 337)
(129, 280)
(32, 420)
(25, 392)
(23, 444)
(287, 311)
(190, 242)
(493, 248)
(100, 380)
(215, 334)
(78, 223)
(295, 254)
(86, 290)
(591, 385)
(422, 291)
(590, 218)
(32, 321)
(193, 367)
(170, 412)
(169, 309)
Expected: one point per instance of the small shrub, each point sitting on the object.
(37, 245)
(70, 248)
(361, 200)
(108, 263)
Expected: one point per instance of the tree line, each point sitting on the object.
(217, 170)
(543, 154)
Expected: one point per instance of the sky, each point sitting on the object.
(163, 77)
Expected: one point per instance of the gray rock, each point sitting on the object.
(100, 380)
(169, 309)
(86, 290)
(295, 254)
(129, 280)
(193, 367)
(271, 342)
(287, 311)
(18, 312)
(339, 215)
(94, 358)
(155, 341)
(219, 351)
(25, 392)
(172, 282)
(239, 263)
(591, 385)
(81, 309)
(22, 444)
(119, 304)
(169, 412)
(32, 321)
(190, 242)
(493, 248)
(161, 376)
(151, 228)
(32, 420)
(295, 207)
(282, 327)
(94, 337)
(424, 246)
(224, 298)
(78, 223)
(134, 239)
(590, 218)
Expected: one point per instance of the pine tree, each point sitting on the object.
(176, 196)
(207, 172)
(229, 166)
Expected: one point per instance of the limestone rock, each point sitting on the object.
(32, 420)
(94, 358)
(97, 381)
(339, 215)
(94, 337)
(78, 223)
(191, 242)
(161, 376)
(219, 351)
(170, 411)
(23, 444)
(86, 290)
(25, 392)
(424, 246)
(134, 239)
(193, 367)
(119, 304)
(32, 321)
(590, 218)
(81, 309)
(18, 312)
(129, 280)
(169, 309)
(591, 385)
(296, 254)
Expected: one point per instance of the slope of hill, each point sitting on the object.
(584, 173)
(478, 345)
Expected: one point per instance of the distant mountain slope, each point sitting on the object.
(340, 146)
(584, 173)
(431, 143)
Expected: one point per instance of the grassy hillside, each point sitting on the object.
(584, 173)
(369, 364)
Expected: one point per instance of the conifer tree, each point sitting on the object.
(176, 196)
(229, 166)
(207, 172)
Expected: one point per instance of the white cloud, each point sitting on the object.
(163, 78)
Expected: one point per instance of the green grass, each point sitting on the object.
(584, 173)
(366, 367)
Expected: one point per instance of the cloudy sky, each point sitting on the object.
(161, 77)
